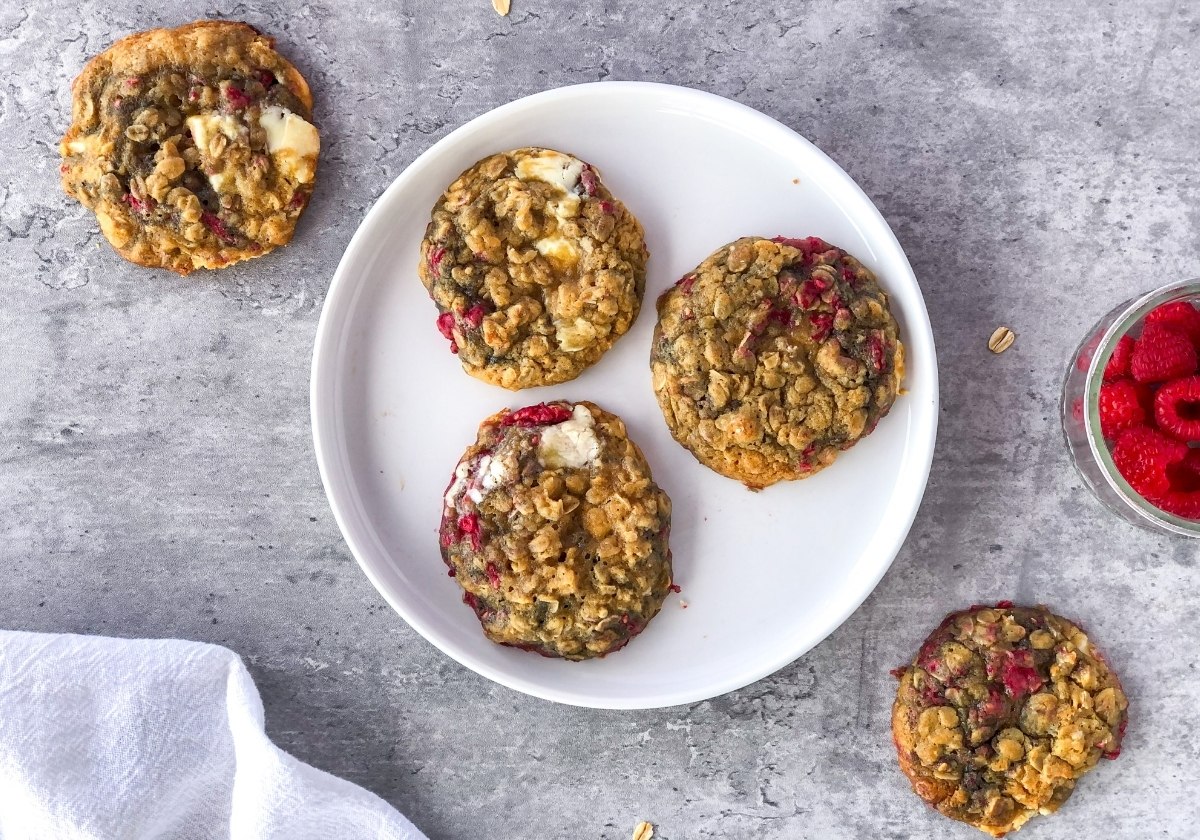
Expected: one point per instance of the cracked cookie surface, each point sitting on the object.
(773, 356)
(193, 146)
(556, 532)
(1002, 711)
(535, 268)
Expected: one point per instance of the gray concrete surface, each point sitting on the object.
(1037, 161)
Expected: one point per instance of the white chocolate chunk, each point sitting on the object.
(560, 250)
(572, 443)
(555, 168)
(293, 142)
(82, 145)
(458, 485)
(494, 472)
(206, 126)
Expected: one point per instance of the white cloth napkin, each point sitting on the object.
(108, 739)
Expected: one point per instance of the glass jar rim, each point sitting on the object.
(1130, 316)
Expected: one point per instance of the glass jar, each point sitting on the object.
(1081, 411)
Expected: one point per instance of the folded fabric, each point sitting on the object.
(108, 739)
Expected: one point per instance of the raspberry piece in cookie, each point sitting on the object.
(774, 356)
(535, 267)
(1001, 712)
(193, 146)
(556, 532)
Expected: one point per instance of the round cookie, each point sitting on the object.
(773, 356)
(556, 531)
(535, 268)
(1001, 712)
(193, 146)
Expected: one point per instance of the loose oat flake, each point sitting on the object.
(501, 7)
(644, 831)
(1001, 339)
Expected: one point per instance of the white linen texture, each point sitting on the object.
(119, 739)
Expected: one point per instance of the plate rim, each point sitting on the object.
(323, 380)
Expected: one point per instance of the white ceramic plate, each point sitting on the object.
(765, 576)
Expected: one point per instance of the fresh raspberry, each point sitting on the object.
(1145, 397)
(1143, 456)
(1162, 353)
(685, 283)
(265, 78)
(1180, 316)
(1181, 503)
(1119, 408)
(536, 415)
(445, 325)
(1118, 362)
(1177, 408)
(1185, 476)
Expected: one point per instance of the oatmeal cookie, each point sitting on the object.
(535, 268)
(1001, 712)
(193, 146)
(556, 531)
(773, 356)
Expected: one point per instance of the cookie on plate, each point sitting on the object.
(554, 527)
(193, 146)
(1001, 712)
(535, 268)
(773, 356)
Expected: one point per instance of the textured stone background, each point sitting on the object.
(1037, 164)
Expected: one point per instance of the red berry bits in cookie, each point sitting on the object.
(1162, 353)
(1000, 713)
(541, 266)
(556, 532)
(193, 146)
(773, 356)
